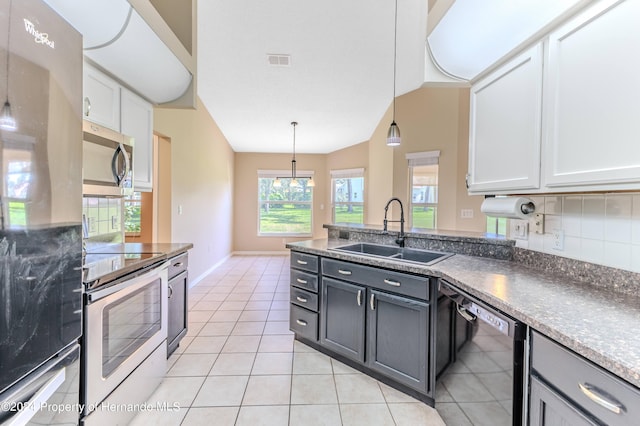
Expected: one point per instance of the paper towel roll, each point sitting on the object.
(509, 207)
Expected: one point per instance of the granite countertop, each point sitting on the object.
(598, 323)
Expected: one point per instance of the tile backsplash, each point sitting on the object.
(104, 218)
(595, 228)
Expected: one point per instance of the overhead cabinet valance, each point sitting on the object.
(118, 39)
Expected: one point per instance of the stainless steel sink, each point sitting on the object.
(424, 257)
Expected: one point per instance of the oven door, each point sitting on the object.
(124, 323)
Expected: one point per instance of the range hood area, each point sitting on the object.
(117, 38)
(473, 36)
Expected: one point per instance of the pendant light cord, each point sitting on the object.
(8, 44)
(395, 44)
(293, 161)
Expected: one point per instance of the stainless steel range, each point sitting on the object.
(125, 332)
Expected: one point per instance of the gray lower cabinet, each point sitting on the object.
(398, 331)
(177, 320)
(567, 389)
(548, 408)
(342, 313)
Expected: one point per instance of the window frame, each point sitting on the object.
(284, 176)
(347, 174)
(417, 159)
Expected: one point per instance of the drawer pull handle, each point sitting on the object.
(359, 298)
(179, 264)
(301, 262)
(301, 281)
(301, 322)
(601, 398)
(372, 302)
(301, 299)
(344, 272)
(393, 283)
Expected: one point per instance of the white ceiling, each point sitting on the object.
(339, 84)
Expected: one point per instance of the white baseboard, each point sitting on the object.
(195, 281)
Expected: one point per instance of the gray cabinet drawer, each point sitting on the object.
(304, 323)
(595, 390)
(304, 298)
(307, 262)
(178, 264)
(395, 282)
(304, 280)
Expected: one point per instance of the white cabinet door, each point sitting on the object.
(137, 122)
(505, 127)
(101, 98)
(592, 100)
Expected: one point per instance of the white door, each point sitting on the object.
(137, 122)
(505, 127)
(592, 100)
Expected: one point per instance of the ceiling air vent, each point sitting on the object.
(278, 60)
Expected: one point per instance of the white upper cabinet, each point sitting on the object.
(592, 100)
(137, 122)
(505, 127)
(101, 97)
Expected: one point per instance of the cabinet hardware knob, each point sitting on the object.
(359, 298)
(301, 281)
(87, 106)
(372, 302)
(393, 283)
(301, 322)
(344, 272)
(301, 299)
(301, 262)
(600, 398)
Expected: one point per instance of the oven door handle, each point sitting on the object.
(126, 283)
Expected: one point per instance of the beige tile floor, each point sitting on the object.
(239, 364)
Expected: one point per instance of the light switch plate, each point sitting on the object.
(521, 230)
(466, 213)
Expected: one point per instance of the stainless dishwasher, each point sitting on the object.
(481, 380)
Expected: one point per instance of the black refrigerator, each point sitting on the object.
(40, 214)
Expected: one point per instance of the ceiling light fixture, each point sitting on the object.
(393, 135)
(294, 179)
(7, 121)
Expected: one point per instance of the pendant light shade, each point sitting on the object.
(7, 122)
(393, 135)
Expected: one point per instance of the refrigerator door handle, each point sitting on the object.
(40, 398)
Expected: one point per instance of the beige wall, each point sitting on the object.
(202, 183)
(245, 227)
(429, 119)
(353, 157)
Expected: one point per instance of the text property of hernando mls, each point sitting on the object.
(79, 408)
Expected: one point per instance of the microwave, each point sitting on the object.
(107, 161)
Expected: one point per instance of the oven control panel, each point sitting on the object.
(493, 320)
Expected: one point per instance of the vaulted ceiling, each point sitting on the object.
(339, 82)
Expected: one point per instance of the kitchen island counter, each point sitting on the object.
(596, 322)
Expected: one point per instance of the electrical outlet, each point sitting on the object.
(179, 208)
(520, 230)
(466, 213)
(558, 239)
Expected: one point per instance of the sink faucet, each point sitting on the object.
(400, 239)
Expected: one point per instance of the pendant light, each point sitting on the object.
(393, 135)
(277, 183)
(7, 121)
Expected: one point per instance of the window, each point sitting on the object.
(347, 195)
(423, 175)
(284, 209)
(497, 226)
(18, 186)
(132, 214)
